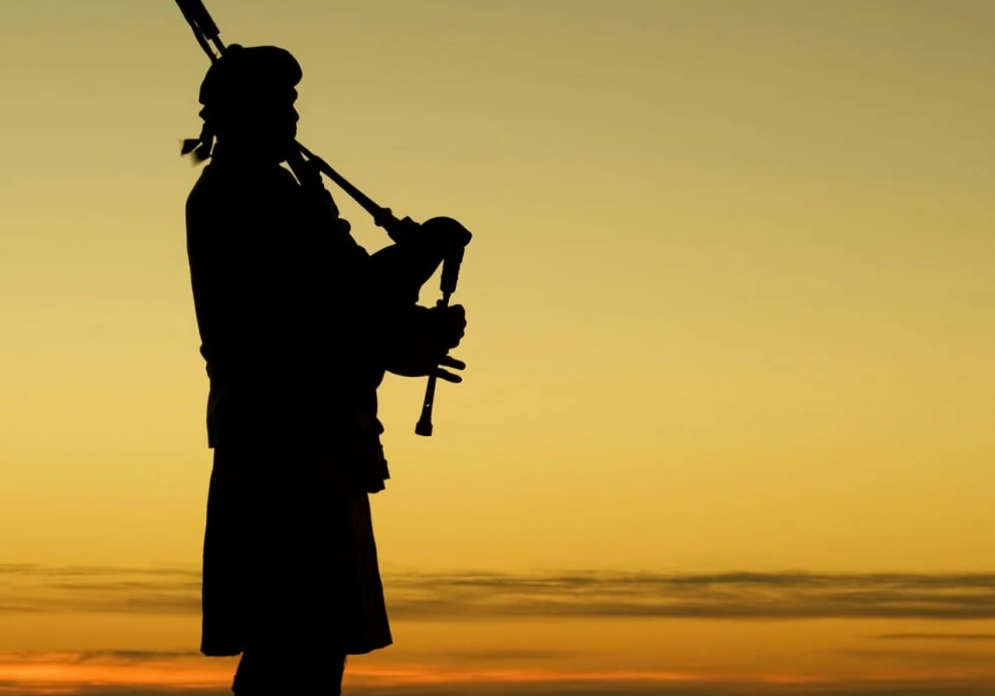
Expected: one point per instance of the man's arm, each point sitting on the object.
(406, 339)
(417, 343)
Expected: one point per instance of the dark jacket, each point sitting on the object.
(295, 326)
(291, 317)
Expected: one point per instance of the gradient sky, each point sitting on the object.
(730, 302)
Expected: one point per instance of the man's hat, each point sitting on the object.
(240, 78)
(248, 74)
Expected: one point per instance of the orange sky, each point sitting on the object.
(729, 297)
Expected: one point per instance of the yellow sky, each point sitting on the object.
(730, 293)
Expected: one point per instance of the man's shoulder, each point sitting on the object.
(217, 184)
(209, 186)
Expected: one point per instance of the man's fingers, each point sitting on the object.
(458, 311)
(452, 362)
(448, 376)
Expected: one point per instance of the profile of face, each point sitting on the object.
(265, 128)
(249, 98)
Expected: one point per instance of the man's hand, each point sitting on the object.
(446, 374)
(423, 352)
(453, 328)
(452, 324)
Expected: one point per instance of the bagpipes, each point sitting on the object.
(419, 248)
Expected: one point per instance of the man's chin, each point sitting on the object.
(285, 150)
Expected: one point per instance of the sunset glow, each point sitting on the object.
(726, 425)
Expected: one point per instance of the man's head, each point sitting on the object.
(248, 97)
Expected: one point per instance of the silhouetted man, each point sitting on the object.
(298, 324)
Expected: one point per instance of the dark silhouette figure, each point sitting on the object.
(298, 325)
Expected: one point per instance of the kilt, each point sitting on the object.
(290, 560)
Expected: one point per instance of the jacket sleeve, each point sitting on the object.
(261, 294)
